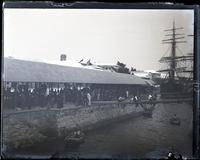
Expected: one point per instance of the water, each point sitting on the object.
(136, 137)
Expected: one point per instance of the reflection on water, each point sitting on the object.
(135, 137)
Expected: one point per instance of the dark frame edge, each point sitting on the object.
(94, 5)
(196, 108)
(102, 5)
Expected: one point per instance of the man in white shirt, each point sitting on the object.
(89, 99)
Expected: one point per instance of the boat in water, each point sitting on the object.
(75, 139)
(175, 121)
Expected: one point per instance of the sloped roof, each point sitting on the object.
(29, 71)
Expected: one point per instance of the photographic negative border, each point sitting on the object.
(158, 6)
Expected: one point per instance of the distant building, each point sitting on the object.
(110, 67)
(101, 66)
(147, 74)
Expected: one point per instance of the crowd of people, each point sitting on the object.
(24, 97)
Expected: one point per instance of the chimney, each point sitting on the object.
(63, 57)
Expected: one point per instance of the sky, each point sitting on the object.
(133, 37)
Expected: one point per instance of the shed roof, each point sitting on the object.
(29, 71)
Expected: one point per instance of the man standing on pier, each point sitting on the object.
(89, 99)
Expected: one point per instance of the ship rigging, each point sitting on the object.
(178, 66)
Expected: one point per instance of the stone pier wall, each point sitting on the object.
(26, 128)
(86, 117)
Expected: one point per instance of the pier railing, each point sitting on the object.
(98, 103)
(145, 101)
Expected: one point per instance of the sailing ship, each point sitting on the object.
(178, 67)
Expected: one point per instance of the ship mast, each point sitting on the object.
(172, 59)
(173, 63)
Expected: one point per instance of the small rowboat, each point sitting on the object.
(75, 139)
(175, 121)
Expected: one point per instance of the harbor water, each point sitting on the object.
(136, 137)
